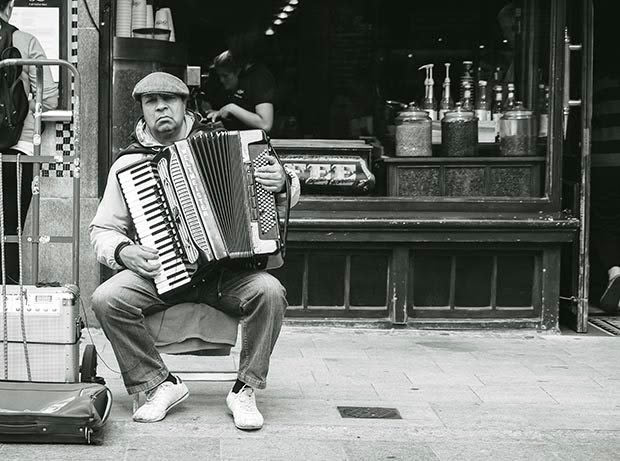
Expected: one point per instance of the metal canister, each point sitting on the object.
(517, 132)
(413, 133)
(459, 133)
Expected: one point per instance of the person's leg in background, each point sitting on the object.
(605, 231)
(9, 209)
(610, 257)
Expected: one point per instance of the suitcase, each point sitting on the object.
(53, 329)
(53, 413)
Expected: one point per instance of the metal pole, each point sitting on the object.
(36, 170)
(76, 179)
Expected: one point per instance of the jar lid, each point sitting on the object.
(459, 114)
(519, 111)
(412, 113)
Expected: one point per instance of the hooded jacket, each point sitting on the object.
(112, 224)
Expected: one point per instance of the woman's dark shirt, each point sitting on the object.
(256, 86)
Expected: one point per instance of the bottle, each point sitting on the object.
(429, 84)
(496, 77)
(543, 111)
(467, 77)
(497, 73)
(446, 104)
(467, 103)
(495, 80)
(510, 97)
(483, 106)
(497, 109)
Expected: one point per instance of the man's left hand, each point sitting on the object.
(272, 176)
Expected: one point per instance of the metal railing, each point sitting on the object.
(37, 160)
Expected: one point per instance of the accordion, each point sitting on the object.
(198, 205)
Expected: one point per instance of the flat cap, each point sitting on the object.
(160, 82)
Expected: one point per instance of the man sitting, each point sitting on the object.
(121, 302)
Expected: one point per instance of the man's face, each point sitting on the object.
(164, 114)
(229, 79)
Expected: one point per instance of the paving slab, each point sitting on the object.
(429, 392)
(173, 446)
(535, 416)
(510, 393)
(525, 450)
(366, 451)
(281, 449)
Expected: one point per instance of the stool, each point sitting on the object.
(193, 329)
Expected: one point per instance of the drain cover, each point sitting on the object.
(610, 325)
(369, 412)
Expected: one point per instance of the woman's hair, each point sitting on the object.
(226, 61)
(4, 4)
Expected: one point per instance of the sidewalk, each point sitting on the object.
(461, 395)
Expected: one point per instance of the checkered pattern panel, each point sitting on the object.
(265, 203)
(74, 29)
(64, 131)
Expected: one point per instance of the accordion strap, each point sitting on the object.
(287, 211)
(136, 150)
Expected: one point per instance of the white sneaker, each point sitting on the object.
(160, 400)
(243, 408)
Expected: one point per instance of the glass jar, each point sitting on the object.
(517, 132)
(459, 133)
(413, 133)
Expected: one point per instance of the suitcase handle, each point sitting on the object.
(108, 407)
(20, 428)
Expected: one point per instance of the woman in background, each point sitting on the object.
(248, 86)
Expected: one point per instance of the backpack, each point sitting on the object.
(13, 100)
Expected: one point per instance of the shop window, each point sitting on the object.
(375, 49)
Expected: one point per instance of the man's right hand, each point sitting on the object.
(141, 260)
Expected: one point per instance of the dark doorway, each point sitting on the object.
(605, 189)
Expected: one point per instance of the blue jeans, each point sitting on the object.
(255, 297)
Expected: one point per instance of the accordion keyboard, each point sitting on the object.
(153, 221)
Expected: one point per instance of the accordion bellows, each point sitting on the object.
(197, 203)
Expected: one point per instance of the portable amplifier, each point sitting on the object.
(52, 327)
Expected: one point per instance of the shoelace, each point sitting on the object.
(245, 398)
(150, 395)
